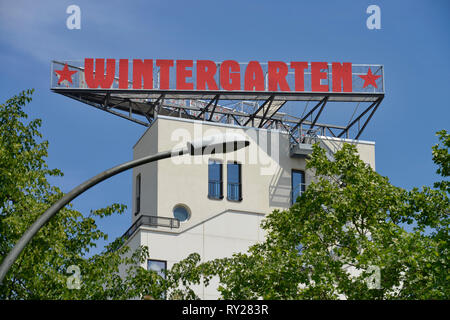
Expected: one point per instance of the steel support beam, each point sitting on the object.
(253, 115)
(264, 121)
(318, 114)
(97, 106)
(367, 121)
(203, 110)
(290, 133)
(265, 113)
(237, 121)
(214, 108)
(332, 133)
(377, 102)
(144, 113)
(321, 102)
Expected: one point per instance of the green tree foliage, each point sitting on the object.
(41, 270)
(442, 159)
(347, 228)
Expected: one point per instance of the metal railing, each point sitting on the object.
(234, 191)
(312, 137)
(215, 189)
(152, 221)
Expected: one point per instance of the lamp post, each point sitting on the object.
(209, 145)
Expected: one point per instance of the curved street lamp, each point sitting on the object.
(209, 145)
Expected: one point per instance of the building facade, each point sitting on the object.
(214, 204)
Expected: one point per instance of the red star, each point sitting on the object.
(369, 78)
(65, 74)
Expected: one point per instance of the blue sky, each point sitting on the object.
(413, 45)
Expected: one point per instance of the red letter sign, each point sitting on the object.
(342, 72)
(277, 76)
(299, 71)
(254, 77)
(101, 79)
(183, 73)
(142, 69)
(206, 69)
(317, 75)
(164, 73)
(123, 74)
(230, 77)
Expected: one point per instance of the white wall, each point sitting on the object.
(147, 145)
(222, 235)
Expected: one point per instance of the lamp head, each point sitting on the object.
(223, 143)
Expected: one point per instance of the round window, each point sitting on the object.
(181, 213)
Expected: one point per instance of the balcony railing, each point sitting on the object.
(234, 191)
(215, 189)
(152, 221)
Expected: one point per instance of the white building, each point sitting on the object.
(220, 199)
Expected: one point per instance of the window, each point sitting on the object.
(215, 188)
(298, 184)
(234, 185)
(159, 266)
(138, 194)
(181, 212)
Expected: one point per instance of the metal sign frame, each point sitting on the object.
(263, 110)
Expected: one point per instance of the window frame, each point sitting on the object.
(137, 198)
(212, 197)
(292, 184)
(185, 207)
(157, 260)
(239, 183)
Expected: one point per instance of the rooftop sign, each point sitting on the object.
(255, 92)
(227, 76)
